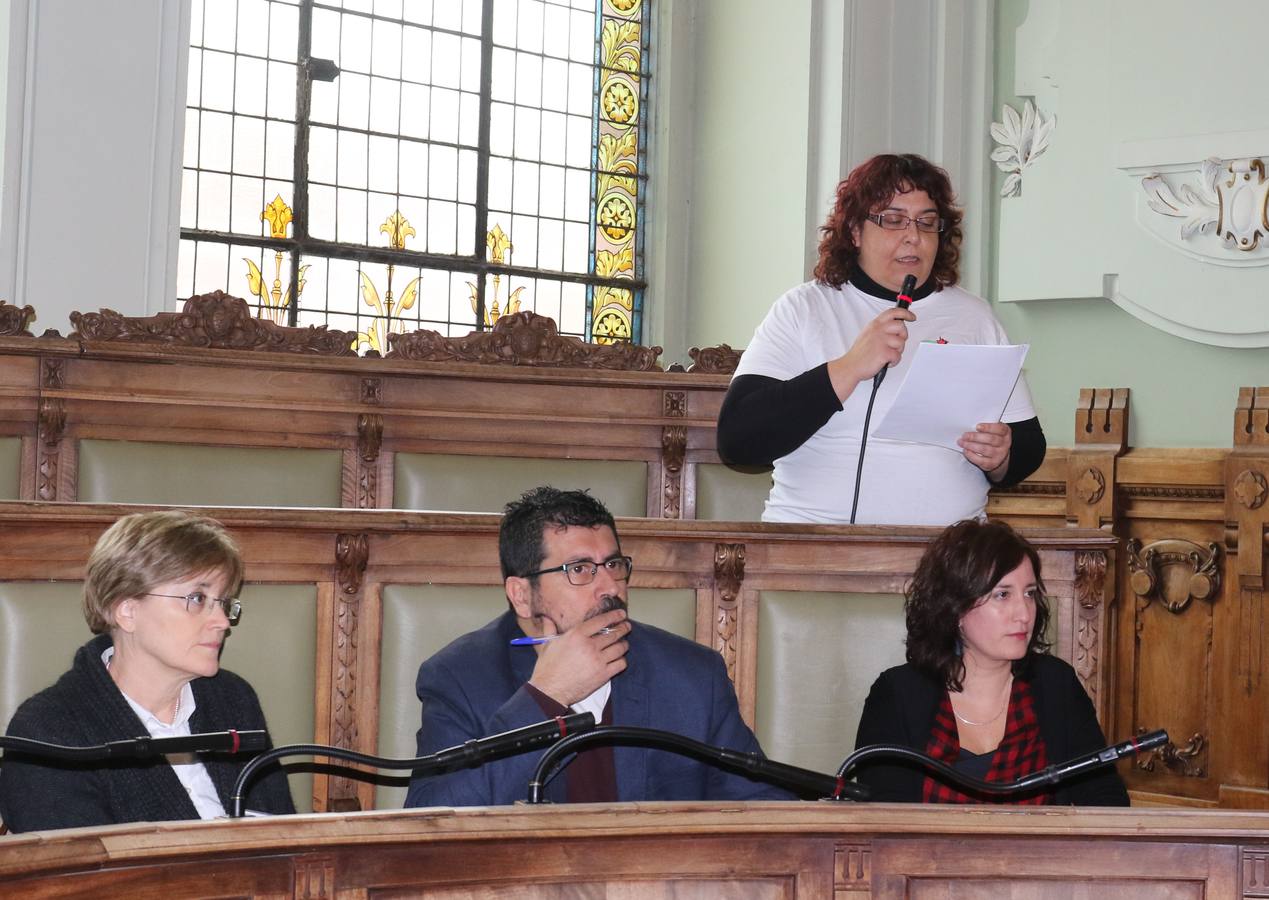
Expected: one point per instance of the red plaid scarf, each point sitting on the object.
(1021, 752)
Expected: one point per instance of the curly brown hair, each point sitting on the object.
(868, 189)
(960, 567)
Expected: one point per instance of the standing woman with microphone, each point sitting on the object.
(800, 395)
(160, 594)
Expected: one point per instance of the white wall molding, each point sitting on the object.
(92, 162)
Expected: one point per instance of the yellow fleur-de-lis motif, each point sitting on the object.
(498, 242)
(278, 215)
(397, 227)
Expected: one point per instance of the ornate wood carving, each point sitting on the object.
(853, 866)
(674, 404)
(369, 436)
(53, 374)
(314, 877)
(729, 573)
(523, 339)
(1090, 589)
(1167, 492)
(1174, 572)
(673, 451)
(1038, 488)
(1182, 761)
(214, 320)
(1255, 869)
(1250, 489)
(1091, 486)
(15, 319)
(52, 426)
(352, 554)
(720, 360)
(369, 441)
(1101, 435)
(372, 391)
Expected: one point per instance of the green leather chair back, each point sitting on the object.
(10, 468)
(724, 494)
(444, 482)
(193, 475)
(818, 655)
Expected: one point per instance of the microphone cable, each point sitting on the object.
(902, 301)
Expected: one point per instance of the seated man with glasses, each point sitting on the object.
(160, 594)
(805, 384)
(566, 645)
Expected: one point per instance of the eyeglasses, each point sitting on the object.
(199, 604)
(583, 571)
(892, 221)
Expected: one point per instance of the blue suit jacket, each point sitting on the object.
(476, 687)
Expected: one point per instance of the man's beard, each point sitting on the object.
(607, 603)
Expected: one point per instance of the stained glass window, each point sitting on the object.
(386, 165)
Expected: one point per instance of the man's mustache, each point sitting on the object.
(608, 603)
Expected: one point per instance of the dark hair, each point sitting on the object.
(868, 189)
(520, 548)
(958, 569)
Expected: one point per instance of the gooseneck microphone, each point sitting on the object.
(754, 765)
(469, 753)
(1046, 777)
(142, 747)
(902, 301)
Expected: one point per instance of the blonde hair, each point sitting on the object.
(142, 551)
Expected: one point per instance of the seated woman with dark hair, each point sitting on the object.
(979, 691)
(160, 594)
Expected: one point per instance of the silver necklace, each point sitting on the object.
(1008, 694)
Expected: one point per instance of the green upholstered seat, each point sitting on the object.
(195, 475)
(10, 467)
(445, 482)
(724, 494)
(818, 655)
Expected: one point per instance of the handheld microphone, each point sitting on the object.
(143, 747)
(902, 301)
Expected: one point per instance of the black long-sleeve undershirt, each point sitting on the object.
(763, 419)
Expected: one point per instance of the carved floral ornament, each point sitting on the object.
(1091, 486)
(1250, 489)
(1174, 572)
(1228, 201)
(1020, 141)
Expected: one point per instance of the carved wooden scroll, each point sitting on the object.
(214, 320)
(1187, 761)
(14, 320)
(365, 468)
(1174, 572)
(1101, 435)
(1090, 592)
(729, 573)
(720, 360)
(1246, 526)
(352, 555)
(523, 339)
(673, 454)
(51, 427)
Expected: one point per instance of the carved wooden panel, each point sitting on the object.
(352, 555)
(523, 339)
(729, 573)
(214, 320)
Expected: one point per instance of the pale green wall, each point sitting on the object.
(749, 165)
(1183, 392)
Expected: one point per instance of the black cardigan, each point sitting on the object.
(903, 702)
(85, 708)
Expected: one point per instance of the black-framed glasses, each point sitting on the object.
(583, 571)
(199, 604)
(892, 221)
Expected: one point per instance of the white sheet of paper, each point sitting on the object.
(949, 389)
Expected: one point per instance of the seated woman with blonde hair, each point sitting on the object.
(160, 594)
(979, 692)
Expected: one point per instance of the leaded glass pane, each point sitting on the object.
(404, 212)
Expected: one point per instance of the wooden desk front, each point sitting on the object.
(682, 850)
